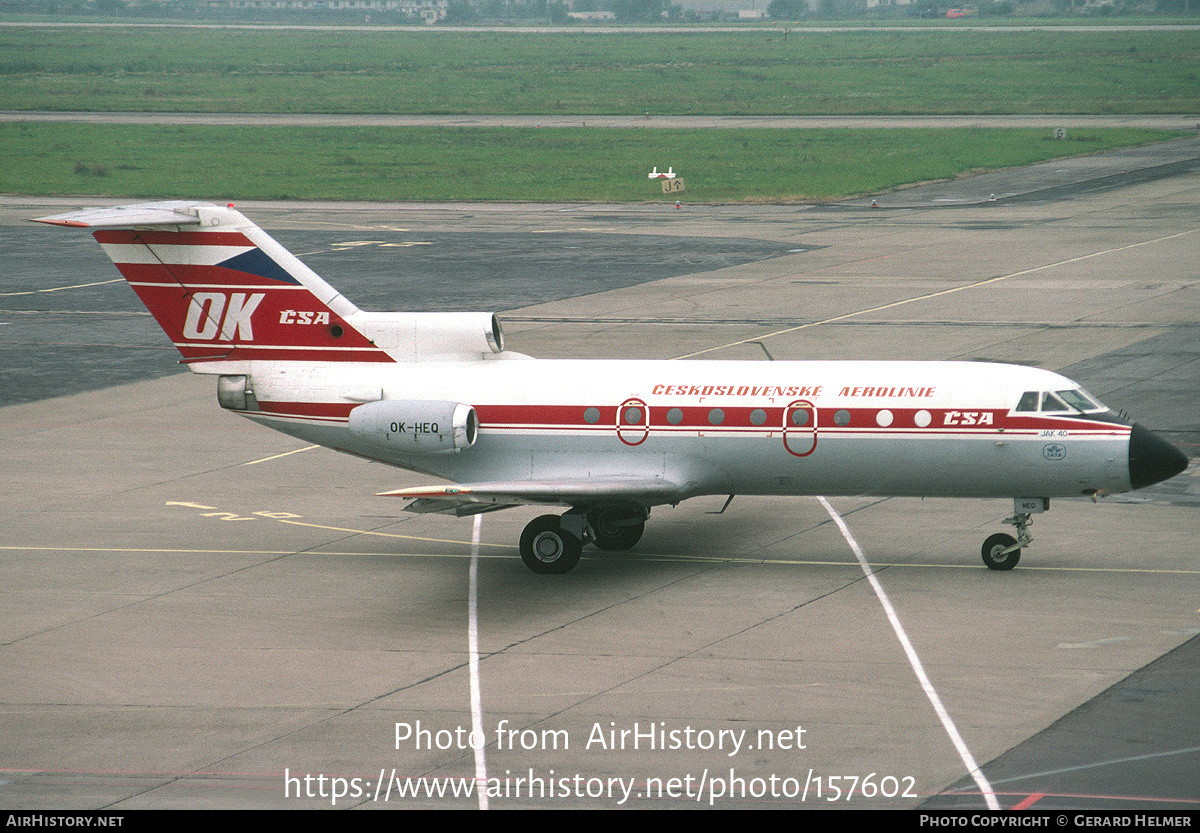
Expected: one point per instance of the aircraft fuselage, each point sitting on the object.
(802, 428)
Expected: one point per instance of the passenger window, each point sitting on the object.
(1029, 401)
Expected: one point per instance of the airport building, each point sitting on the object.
(425, 11)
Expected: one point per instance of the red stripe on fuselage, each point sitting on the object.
(323, 411)
(572, 417)
(701, 418)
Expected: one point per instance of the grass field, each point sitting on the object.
(550, 165)
(586, 72)
(749, 73)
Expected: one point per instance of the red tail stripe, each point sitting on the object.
(235, 352)
(273, 322)
(178, 238)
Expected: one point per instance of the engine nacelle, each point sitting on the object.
(431, 336)
(236, 393)
(416, 426)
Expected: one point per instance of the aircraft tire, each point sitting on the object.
(546, 548)
(610, 534)
(992, 548)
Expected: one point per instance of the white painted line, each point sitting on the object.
(277, 456)
(61, 288)
(968, 759)
(391, 535)
(477, 734)
(1188, 750)
(927, 296)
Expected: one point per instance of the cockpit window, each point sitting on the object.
(1029, 401)
(1076, 399)
(1079, 400)
(1050, 402)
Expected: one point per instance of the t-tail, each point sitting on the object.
(227, 293)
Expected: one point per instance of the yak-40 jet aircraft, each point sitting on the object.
(437, 393)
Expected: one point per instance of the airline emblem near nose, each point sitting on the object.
(1054, 451)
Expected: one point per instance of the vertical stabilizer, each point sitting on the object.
(222, 288)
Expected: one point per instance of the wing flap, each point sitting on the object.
(461, 509)
(473, 498)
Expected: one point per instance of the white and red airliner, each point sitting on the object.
(438, 393)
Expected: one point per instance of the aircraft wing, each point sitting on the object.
(474, 498)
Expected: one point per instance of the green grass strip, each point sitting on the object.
(510, 164)
(758, 73)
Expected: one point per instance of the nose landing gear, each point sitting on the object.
(1002, 551)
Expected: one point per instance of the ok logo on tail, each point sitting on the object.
(205, 321)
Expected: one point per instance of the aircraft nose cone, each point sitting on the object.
(1151, 458)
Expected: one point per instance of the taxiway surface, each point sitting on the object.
(201, 613)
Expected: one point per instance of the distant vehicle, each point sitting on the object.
(656, 174)
(437, 393)
(955, 13)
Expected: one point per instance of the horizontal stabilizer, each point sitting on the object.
(178, 213)
(470, 499)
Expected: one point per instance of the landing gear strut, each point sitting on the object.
(1002, 551)
(616, 527)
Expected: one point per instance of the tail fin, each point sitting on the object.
(222, 288)
(226, 293)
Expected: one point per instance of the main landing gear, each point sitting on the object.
(553, 544)
(1002, 551)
